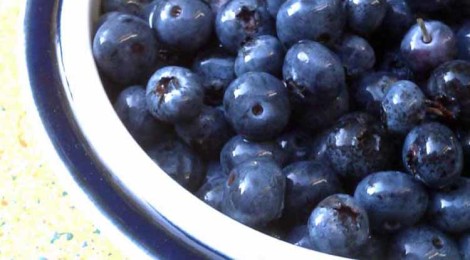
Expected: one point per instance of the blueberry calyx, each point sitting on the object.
(163, 87)
(175, 11)
(248, 19)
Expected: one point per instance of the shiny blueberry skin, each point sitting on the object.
(207, 133)
(313, 73)
(273, 6)
(422, 242)
(356, 54)
(403, 107)
(358, 146)
(394, 63)
(254, 193)
(365, 16)
(449, 85)
(105, 17)
(124, 59)
(393, 200)
(215, 68)
(131, 108)
(433, 154)
(299, 236)
(463, 41)
(449, 209)
(184, 25)
(216, 5)
(464, 246)
(296, 145)
(372, 89)
(317, 20)
(338, 226)
(319, 145)
(180, 162)
(308, 183)
(397, 20)
(212, 191)
(238, 150)
(257, 106)
(429, 5)
(134, 7)
(174, 94)
(423, 57)
(263, 53)
(242, 20)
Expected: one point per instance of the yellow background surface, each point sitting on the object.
(38, 219)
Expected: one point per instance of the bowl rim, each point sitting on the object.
(88, 121)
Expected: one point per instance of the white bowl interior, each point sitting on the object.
(132, 170)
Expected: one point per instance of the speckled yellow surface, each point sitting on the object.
(38, 219)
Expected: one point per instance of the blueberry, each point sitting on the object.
(358, 146)
(257, 106)
(449, 209)
(319, 146)
(299, 236)
(261, 54)
(394, 63)
(216, 5)
(134, 7)
(123, 59)
(356, 54)
(365, 16)
(397, 20)
(463, 41)
(131, 108)
(422, 242)
(449, 85)
(105, 17)
(317, 20)
(174, 94)
(206, 133)
(429, 5)
(464, 246)
(178, 161)
(463, 134)
(433, 154)
(313, 73)
(393, 200)
(427, 45)
(254, 192)
(215, 68)
(242, 20)
(372, 89)
(296, 145)
(273, 6)
(308, 183)
(403, 107)
(184, 25)
(374, 249)
(238, 150)
(212, 191)
(338, 226)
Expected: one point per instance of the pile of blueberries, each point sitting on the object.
(342, 126)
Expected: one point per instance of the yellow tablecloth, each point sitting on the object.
(38, 218)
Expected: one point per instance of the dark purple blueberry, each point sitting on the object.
(257, 106)
(339, 226)
(433, 154)
(133, 7)
(123, 59)
(464, 246)
(238, 150)
(319, 146)
(372, 89)
(296, 145)
(356, 55)
(365, 16)
(394, 63)
(463, 134)
(174, 94)
(212, 190)
(422, 242)
(183, 25)
(215, 68)
(429, 6)
(263, 53)
(463, 41)
(207, 133)
(180, 162)
(393, 200)
(313, 73)
(308, 183)
(317, 20)
(449, 209)
(449, 85)
(428, 45)
(358, 146)
(299, 236)
(397, 20)
(403, 107)
(241, 20)
(131, 108)
(254, 193)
